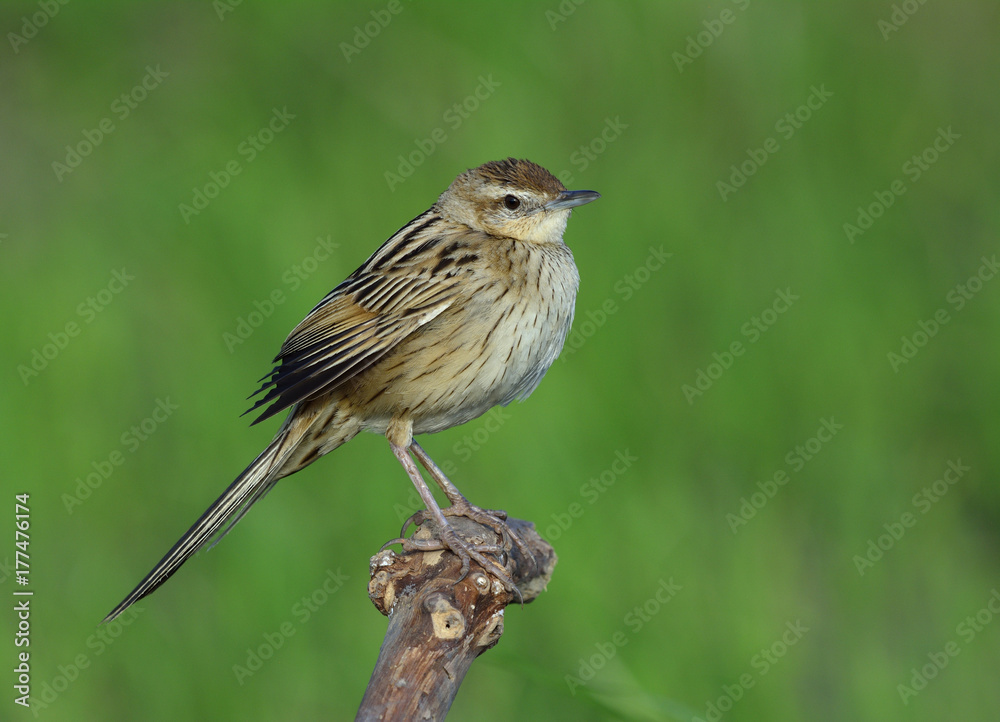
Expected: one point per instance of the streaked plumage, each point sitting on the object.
(463, 308)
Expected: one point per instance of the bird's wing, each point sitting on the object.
(392, 295)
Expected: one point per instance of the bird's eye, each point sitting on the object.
(511, 203)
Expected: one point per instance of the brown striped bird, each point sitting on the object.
(462, 309)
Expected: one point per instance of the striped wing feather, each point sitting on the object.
(391, 296)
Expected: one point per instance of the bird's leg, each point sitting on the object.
(460, 506)
(448, 539)
(451, 491)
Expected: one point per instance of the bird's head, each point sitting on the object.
(512, 199)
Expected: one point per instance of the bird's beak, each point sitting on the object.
(571, 199)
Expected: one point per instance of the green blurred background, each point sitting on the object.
(794, 614)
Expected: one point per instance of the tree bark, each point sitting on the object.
(437, 625)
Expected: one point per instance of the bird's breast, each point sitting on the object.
(491, 346)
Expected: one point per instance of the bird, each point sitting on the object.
(462, 309)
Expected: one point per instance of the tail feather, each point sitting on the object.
(250, 486)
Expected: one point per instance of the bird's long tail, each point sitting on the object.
(282, 457)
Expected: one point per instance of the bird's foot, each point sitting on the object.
(494, 519)
(446, 539)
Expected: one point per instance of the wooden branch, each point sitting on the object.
(437, 627)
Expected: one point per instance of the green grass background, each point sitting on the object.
(562, 72)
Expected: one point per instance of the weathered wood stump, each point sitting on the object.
(437, 625)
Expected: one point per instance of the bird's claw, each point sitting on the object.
(448, 539)
(495, 519)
